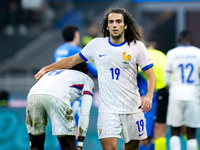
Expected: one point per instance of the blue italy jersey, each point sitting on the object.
(64, 51)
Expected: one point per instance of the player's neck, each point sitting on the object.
(72, 43)
(116, 40)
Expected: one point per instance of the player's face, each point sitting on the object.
(116, 25)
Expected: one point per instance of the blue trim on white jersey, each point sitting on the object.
(185, 45)
(116, 45)
(147, 67)
(81, 55)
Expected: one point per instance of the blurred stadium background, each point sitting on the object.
(30, 31)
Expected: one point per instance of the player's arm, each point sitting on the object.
(84, 118)
(168, 69)
(167, 77)
(146, 101)
(65, 63)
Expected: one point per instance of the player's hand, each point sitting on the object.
(146, 104)
(78, 148)
(39, 74)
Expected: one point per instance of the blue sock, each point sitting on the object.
(151, 146)
(142, 147)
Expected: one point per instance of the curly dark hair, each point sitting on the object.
(132, 33)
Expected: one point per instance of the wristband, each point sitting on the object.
(80, 144)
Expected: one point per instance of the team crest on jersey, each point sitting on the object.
(100, 130)
(126, 57)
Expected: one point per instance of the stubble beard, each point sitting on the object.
(117, 37)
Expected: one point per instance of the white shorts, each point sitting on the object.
(130, 126)
(39, 107)
(183, 113)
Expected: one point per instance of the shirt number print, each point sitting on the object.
(183, 76)
(115, 72)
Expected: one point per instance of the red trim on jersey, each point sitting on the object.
(87, 92)
(168, 71)
(78, 86)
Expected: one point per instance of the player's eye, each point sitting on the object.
(110, 21)
(119, 21)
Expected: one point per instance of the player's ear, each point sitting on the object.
(107, 28)
(125, 27)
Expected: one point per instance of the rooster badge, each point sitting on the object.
(126, 57)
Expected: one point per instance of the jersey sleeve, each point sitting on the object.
(85, 107)
(143, 59)
(168, 67)
(87, 52)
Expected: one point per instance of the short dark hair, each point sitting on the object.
(68, 32)
(81, 67)
(185, 38)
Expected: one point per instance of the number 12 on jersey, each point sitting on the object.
(115, 72)
(183, 67)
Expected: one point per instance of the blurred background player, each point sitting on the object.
(156, 118)
(71, 36)
(50, 98)
(183, 62)
(92, 32)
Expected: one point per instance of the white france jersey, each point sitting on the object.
(117, 71)
(184, 63)
(66, 85)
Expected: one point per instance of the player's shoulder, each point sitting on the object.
(87, 80)
(196, 49)
(137, 44)
(65, 45)
(62, 49)
(79, 73)
(173, 51)
(100, 39)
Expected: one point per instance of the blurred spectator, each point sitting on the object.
(13, 18)
(17, 15)
(92, 33)
(40, 11)
(4, 95)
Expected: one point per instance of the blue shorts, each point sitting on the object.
(149, 116)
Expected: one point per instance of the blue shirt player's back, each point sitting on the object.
(65, 50)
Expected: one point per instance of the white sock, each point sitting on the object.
(175, 143)
(192, 144)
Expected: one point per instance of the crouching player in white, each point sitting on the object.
(183, 109)
(51, 97)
